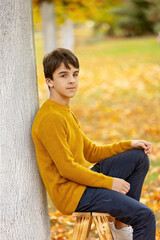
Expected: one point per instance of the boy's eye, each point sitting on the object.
(75, 74)
(64, 75)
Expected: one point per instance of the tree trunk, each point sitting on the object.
(23, 201)
(49, 26)
(68, 39)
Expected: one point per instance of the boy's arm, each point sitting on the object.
(52, 133)
(94, 153)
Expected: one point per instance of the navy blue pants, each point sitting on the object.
(132, 166)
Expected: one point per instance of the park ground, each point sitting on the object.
(118, 99)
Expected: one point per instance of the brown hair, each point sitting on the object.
(53, 60)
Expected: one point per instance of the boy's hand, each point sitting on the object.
(120, 185)
(142, 144)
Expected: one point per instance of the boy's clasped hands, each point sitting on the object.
(147, 146)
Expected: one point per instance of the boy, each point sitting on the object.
(113, 184)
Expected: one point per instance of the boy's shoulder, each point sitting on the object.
(45, 113)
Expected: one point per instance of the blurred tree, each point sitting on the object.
(153, 14)
(47, 10)
(68, 38)
(50, 19)
(104, 20)
(49, 25)
(69, 12)
(138, 17)
(81, 10)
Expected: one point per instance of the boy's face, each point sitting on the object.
(64, 84)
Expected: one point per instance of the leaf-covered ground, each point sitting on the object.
(118, 99)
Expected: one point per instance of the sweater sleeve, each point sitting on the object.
(94, 153)
(52, 132)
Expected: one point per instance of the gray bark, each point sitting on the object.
(23, 201)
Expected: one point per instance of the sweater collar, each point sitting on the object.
(58, 105)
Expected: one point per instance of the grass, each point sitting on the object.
(153, 173)
(142, 48)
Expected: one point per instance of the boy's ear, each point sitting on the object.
(49, 82)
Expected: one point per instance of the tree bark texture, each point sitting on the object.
(23, 201)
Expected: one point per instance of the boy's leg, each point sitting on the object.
(131, 166)
(123, 208)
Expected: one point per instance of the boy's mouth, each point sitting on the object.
(71, 88)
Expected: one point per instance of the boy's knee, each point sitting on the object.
(150, 216)
(150, 213)
(145, 161)
(139, 153)
(146, 214)
(142, 158)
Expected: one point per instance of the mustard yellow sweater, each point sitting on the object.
(61, 150)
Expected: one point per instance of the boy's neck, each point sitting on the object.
(60, 101)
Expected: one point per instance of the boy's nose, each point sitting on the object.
(71, 79)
